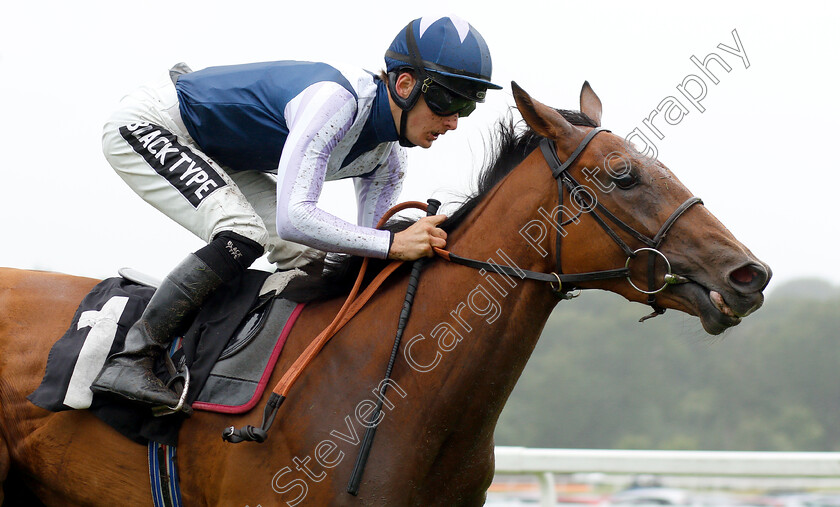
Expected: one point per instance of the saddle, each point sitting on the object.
(229, 351)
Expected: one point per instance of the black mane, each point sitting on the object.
(513, 142)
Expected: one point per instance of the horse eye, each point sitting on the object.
(626, 180)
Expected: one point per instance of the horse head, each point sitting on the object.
(625, 209)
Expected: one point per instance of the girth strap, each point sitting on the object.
(163, 475)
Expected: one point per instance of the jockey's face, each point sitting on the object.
(423, 126)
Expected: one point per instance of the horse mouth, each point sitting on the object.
(715, 314)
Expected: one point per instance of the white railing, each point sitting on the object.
(544, 463)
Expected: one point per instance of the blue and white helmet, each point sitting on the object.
(446, 49)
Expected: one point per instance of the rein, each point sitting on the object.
(566, 282)
(348, 310)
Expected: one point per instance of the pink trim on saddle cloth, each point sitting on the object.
(275, 354)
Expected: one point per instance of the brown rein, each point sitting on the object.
(352, 305)
(348, 310)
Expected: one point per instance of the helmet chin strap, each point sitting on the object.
(403, 121)
(406, 104)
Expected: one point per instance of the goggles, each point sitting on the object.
(443, 102)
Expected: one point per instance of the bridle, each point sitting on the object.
(566, 283)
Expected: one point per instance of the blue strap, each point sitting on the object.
(163, 473)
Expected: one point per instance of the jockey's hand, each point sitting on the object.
(417, 241)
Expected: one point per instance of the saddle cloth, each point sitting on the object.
(241, 373)
(230, 349)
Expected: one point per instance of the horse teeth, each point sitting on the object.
(720, 304)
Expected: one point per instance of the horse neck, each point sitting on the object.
(496, 221)
(498, 319)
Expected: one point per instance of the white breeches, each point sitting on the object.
(148, 146)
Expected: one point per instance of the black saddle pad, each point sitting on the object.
(98, 329)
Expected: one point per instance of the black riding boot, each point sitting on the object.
(130, 372)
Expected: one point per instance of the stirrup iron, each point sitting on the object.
(179, 376)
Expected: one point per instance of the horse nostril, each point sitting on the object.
(749, 278)
(743, 275)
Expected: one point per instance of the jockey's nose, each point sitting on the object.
(451, 122)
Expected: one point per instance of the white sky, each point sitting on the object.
(761, 155)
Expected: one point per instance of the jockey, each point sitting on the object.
(238, 155)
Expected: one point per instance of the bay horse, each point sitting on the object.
(465, 346)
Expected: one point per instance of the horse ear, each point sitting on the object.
(545, 121)
(590, 104)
